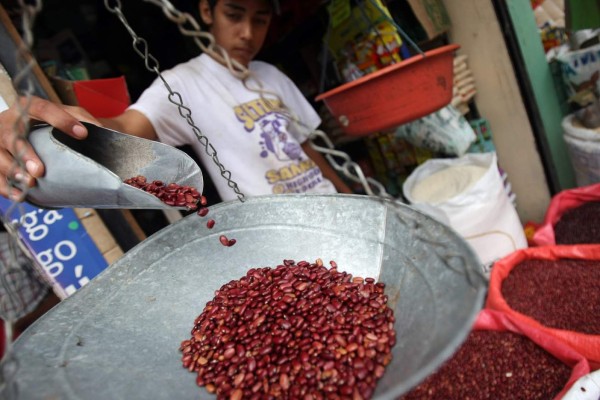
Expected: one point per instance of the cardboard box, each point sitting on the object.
(432, 16)
(57, 240)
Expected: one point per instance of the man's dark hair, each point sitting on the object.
(274, 4)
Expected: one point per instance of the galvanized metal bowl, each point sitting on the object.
(118, 337)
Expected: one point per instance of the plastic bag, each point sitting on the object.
(587, 345)
(483, 214)
(498, 321)
(586, 388)
(561, 203)
(445, 131)
(581, 74)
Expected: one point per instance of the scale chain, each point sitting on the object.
(9, 366)
(348, 168)
(141, 48)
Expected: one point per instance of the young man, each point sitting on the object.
(264, 148)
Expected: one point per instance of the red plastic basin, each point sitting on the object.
(394, 95)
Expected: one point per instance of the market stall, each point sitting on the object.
(377, 294)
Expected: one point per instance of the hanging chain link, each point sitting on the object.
(188, 26)
(141, 48)
(23, 78)
(342, 163)
(13, 269)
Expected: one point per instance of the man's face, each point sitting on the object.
(239, 26)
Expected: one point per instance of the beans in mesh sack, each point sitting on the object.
(495, 365)
(579, 225)
(561, 294)
(297, 331)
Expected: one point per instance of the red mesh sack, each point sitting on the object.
(560, 203)
(587, 345)
(475, 370)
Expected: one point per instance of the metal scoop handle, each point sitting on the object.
(90, 172)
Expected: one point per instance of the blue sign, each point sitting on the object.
(59, 242)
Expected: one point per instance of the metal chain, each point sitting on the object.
(23, 79)
(219, 54)
(25, 63)
(141, 48)
(347, 168)
(200, 37)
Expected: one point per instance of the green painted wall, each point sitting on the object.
(543, 85)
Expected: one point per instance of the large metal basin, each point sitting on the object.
(118, 337)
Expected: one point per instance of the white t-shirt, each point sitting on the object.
(260, 147)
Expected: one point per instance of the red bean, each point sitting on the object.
(224, 241)
(177, 196)
(171, 194)
(268, 335)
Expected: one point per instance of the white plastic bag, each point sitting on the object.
(445, 131)
(481, 213)
(586, 388)
(583, 146)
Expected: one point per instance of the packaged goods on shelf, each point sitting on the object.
(364, 40)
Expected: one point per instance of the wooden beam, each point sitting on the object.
(476, 29)
(543, 87)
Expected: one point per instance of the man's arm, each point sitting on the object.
(131, 122)
(326, 169)
(64, 118)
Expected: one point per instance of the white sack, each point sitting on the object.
(583, 146)
(482, 213)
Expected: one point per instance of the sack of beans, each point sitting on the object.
(555, 289)
(573, 217)
(503, 358)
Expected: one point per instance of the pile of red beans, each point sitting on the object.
(171, 194)
(496, 365)
(296, 331)
(579, 225)
(560, 294)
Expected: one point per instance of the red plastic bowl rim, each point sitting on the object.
(388, 69)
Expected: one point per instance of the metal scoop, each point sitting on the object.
(90, 172)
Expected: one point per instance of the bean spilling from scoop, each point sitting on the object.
(296, 331)
(171, 194)
(176, 195)
(496, 365)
